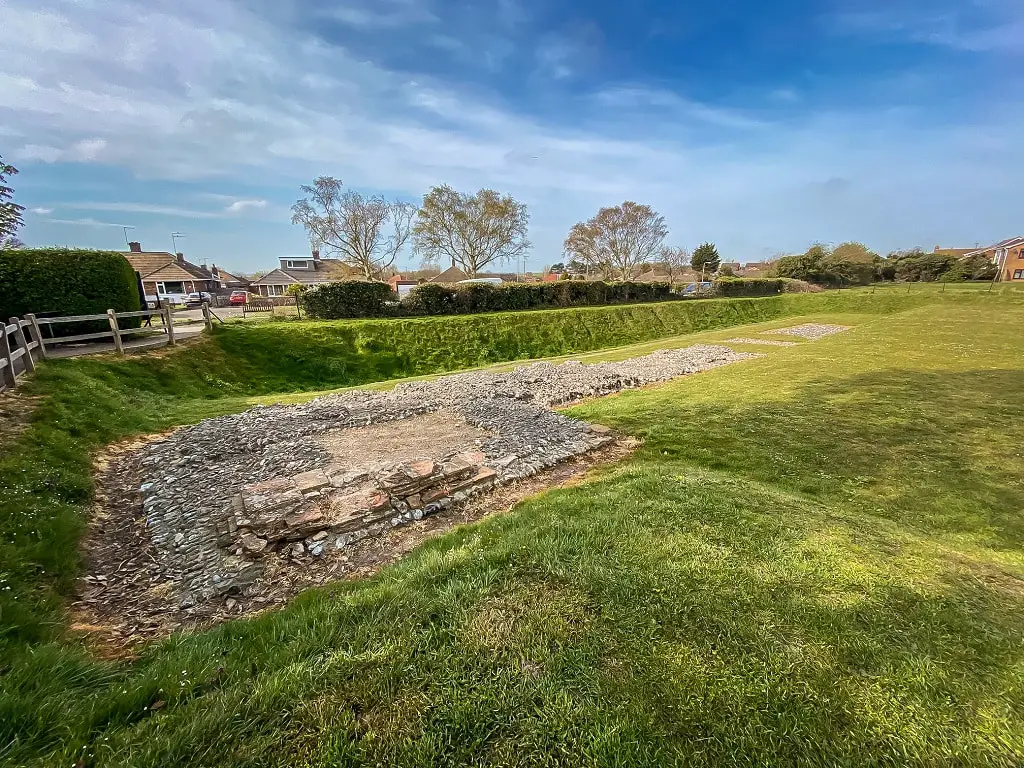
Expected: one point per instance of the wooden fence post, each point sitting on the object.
(19, 336)
(112, 317)
(206, 316)
(169, 324)
(38, 334)
(5, 354)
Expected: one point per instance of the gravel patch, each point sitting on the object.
(811, 331)
(215, 513)
(767, 342)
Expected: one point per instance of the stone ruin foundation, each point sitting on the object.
(239, 512)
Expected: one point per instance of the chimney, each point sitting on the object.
(316, 254)
(214, 271)
(180, 257)
(135, 247)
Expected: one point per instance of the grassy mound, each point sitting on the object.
(816, 558)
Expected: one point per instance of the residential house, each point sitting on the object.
(1007, 255)
(163, 272)
(754, 269)
(451, 275)
(309, 270)
(401, 286)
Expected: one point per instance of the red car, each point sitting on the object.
(238, 297)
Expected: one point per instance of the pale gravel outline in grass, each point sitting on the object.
(810, 331)
(769, 342)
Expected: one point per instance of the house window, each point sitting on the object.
(296, 265)
(1018, 274)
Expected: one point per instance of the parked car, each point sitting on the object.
(238, 298)
(172, 299)
(196, 299)
(697, 288)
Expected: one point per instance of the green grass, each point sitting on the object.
(815, 559)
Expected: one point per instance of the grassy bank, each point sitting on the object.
(303, 355)
(815, 559)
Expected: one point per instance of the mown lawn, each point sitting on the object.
(817, 558)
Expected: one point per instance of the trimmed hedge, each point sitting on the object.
(338, 301)
(66, 282)
(351, 298)
(731, 287)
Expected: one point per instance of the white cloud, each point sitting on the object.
(240, 206)
(195, 90)
(41, 211)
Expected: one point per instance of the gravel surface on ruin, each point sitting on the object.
(169, 544)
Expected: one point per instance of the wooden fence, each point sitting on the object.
(18, 349)
(22, 343)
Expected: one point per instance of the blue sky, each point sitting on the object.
(760, 126)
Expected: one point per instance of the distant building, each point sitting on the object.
(163, 272)
(309, 270)
(401, 286)
(1007, 255)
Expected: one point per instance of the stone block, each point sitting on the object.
(314, 480)
(472, 457)
(302, 524)
(457, 468)
(253, 544)
(356, 509)
(483, 476)
(432, 494)
(270, 500)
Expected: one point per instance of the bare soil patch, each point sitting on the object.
(432, 433)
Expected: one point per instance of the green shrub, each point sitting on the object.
(730, 287)
(65, 282)
(351, 298)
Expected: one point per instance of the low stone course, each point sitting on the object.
(224, 497)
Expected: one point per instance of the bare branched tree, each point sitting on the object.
(674, 261)
(366, 233)
(618, 240)
(470, 231)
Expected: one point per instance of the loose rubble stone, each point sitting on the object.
(765, 342)
(262, 486)
(811, 331)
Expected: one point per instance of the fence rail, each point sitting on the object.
(22, 343)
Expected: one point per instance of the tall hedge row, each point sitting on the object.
(334, 301)
(66, 282)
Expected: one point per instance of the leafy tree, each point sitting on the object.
(366, 233)
(10, 211)
(674, 261)
(617, 240)
(726, 270)
(557, 269)
(850, 264)
(471, 231)
(706, 258)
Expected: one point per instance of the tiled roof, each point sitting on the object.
(327, 271)
(148, 263)
(1007, 243)
(451, 275)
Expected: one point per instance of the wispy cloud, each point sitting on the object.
(159, 210)
(992, 26)
(240, 206)
(87, 222)
(41, 211)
